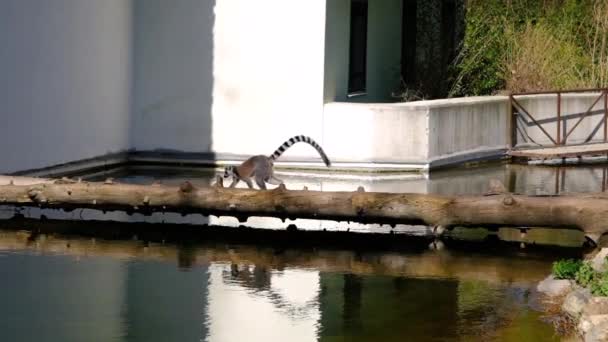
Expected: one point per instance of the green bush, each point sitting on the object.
(585, 275)
(523, 45)
(566, 269)
(599, 286)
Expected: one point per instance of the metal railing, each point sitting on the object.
(561, 137)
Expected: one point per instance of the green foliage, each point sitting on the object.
(585, 274)
(477, 66)
(523, 45)
(566, 269)
(599, 286)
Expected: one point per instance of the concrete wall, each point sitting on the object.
(544, 110)
(416, 134)
(466, 128)
(65, 86)
(268, 74)
(229, 77)
(380, 133)
(173, 74)
(383, 50)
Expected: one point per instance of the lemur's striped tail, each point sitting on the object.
(300, 138)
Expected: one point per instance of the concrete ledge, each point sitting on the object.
(89, 166)
(419, 135)
(285, 163)
(480, 155)
(457, 101)
(103, 164)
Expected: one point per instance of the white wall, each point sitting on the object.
(466, 128)
(173, 74)
(380, 133)
(229, 77)
(416, 135)
(65, 83)
(383, 50)
(268, 74)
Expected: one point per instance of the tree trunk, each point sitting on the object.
(587, 212)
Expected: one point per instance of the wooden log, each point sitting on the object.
(587, 212)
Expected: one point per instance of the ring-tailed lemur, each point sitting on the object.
(261, 167)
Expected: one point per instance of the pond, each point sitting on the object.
(62, 286)
(68, 288)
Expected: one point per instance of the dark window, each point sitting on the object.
(358, 46)
(448, 23)
(408, 44)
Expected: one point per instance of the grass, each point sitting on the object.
(521, 45)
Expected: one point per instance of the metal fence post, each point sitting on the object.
(559, 118)
(605, 114)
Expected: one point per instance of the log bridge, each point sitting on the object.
(587, 212)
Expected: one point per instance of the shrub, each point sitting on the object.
(523, 45)
(538, 58)
(599, 286)
(585, 274)
(566, 269)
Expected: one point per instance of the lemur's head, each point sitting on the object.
(228, 171)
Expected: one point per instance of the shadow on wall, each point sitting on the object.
(172, 97)
(173, 76)
(66, 79)
(173, 54)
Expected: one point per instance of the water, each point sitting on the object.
(66, 288)
(70, 288)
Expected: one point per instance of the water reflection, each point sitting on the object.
(162, 302)
(254, 304)
(76, 289)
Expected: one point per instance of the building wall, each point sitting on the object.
(228, 77)
(65, 88)
(268, 75)
(172, 75)
(86, 78)
(383, 51)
